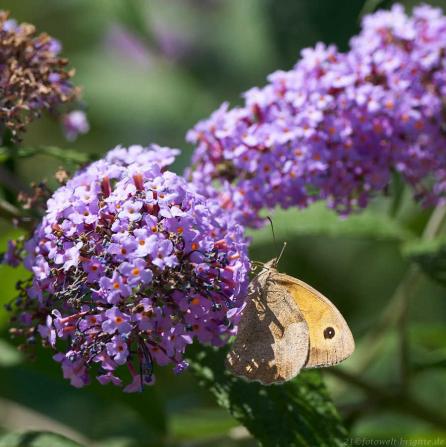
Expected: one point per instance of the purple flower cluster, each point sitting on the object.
(33, 76)
(129, 265)
(337, 125)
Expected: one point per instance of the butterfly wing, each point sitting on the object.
(272, 341)
(331, 340)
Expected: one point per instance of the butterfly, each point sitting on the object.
(286, 326)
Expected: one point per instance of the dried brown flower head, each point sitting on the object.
(33, 77)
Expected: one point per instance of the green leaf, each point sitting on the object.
(298, 413)
(36, 439)
(430, 257)
(318, 220)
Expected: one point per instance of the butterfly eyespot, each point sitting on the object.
(329, 332)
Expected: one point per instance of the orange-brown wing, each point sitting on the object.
(331, 340)
(272, 341)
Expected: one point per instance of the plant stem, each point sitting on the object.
(10, 181)
(396, 312)
(66, 155)
(396, 315)
(8, 211)
(12, 185)
(12, 214)
(435, 223)
(433, 227)
(398, 187)
(404, 352)
(401, 402)
(396, 307)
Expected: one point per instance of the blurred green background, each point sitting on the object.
(150, 70)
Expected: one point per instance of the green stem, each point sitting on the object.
(435, 223)
(66, 155)
(375, 339)
(396, 311)
(433, 227)
(401, 402)
(398, 188)
(8, 179)
(404, 351)
(11, 183)
(8, 211)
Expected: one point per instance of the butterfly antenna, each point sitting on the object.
(280, 255)
(275, 242)
(272, 229)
